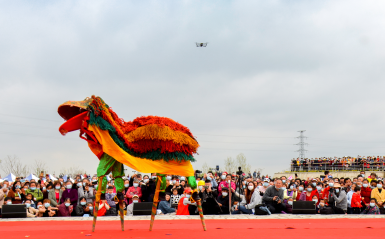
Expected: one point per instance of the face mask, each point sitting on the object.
(9, 202)
(200, 187)
(79, 184)
(283, 181)
(331, 184)
(126, 185)
(290, 202)
(363, 175)
(372, 204)
(48, 190)
(244, 186)
(314, 184)
(337, 190)
(188, 196)
(67, 204)
(145, 180)
(315, 200)
(291, 187)
(18, 186)
(38, 206)
(22, 180)
(44, 188)
(136, 185)
(182, 178)
(209, 178)
(153, 177)
(265, 184)
(27, 205)
(57, 187)
(300, 188)
(250, 187)
(46, 204)
(134, 201)
(69, 186)
(84, 184)
(168, 178)
(33, 188)
(309, 189)
(173, 181)
(365, 185)
(319, 188)
(94, 180)
(283, 188)
(83, 203)
(91, 208)
(224, 194)
(223, 177)
(379, 185)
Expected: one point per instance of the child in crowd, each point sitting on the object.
(289, 205)
(372, 208)
(356, 201)
(174, 198)
(321, 205)
(315, 199)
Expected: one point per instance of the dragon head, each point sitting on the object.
(73, 112)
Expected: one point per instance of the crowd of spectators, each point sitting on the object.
(368, 163)
(220, 193)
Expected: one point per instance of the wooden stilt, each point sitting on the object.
(201, 214)
(156, 200)
(121, 214)
(97, 200)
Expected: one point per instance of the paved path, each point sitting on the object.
(174, 217)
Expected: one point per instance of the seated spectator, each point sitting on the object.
(301, 188)
(273, 198)
(134, 190)
(71, 193)
(83, 207)
(130, 208)
(31, 211)
(175, 197)
(85, 191)
(47, 210)
(290, 192)
(264, 186)
(366, 192)
(209, 201)
(321, 205)
(349, 197)
(356, 201)
(184, 204)
(36, 193)
(289, 205)
(29, 196)
(311, 191)
(165, 205)
(55, 194)
(110, 197)
(338, 199)
(103, 206)
(15, 193)
(249, 200)
(65, 209)
(379, 194)
(223, 200)
(315, 200)
(2, 197)
(225, 183)
(372, 208)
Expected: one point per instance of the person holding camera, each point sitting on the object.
(338, 199)
(226, 178)
(209, 197)
(273, 198)
(209, 176)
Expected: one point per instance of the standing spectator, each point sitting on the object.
(36, 193)
(338, 199)
(70, 193)
(65, 209)
(209, 200)
(146, 188)
(225, 183)
(349, 197)
(356, 201)
(134, 190)
(15, 193)
(273, 198)
(366, 192)
(379, 194)
(55, 194)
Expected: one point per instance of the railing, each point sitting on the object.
(355, 166)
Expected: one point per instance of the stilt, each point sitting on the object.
(201, 214)
(121, 214)
(155, 203)
(97, 200)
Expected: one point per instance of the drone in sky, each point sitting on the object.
(201, 44)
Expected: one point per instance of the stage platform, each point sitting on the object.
(183, 227)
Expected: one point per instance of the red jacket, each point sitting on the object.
(182, 209)
(365, 193)
(356, 200)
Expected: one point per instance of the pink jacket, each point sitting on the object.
(225, 184)
(133, 191)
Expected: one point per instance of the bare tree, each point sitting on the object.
(72, 171)
(38, 167)
(12, 164)
(230, 166)
(205, 168)
(241, 162)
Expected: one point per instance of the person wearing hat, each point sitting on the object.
(209, 199)
(223, 200)
(265, 185)
(130, 208)
(338, 199)
(185, 203)
(226, 178)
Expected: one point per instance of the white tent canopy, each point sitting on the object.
(11, 177)
(52, 177)
(31, 176)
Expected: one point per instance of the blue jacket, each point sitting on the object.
(164, 206)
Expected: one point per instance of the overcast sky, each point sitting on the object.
(271, 68)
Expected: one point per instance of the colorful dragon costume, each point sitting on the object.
(149, 144)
